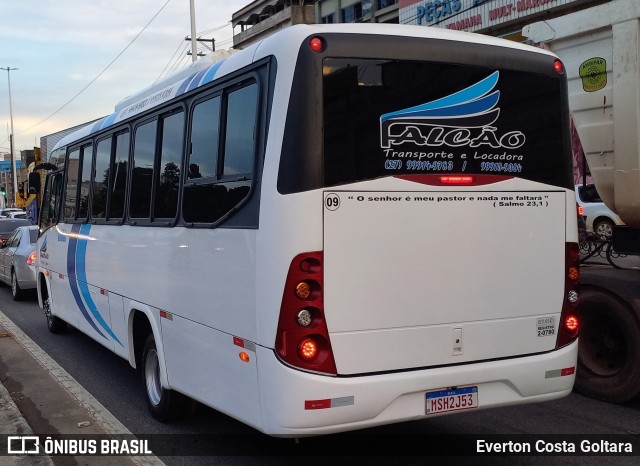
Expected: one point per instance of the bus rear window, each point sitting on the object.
(391, 117)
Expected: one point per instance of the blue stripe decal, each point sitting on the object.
(71, 272)
(97, 125)
(467, 95)
(195, 82)
(110, 119)
(475, 107)
(82, 282)
(211, 72)
(184, 85)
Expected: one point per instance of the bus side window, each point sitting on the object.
(84, 186)
(100, 183)
(220, 175)
(142, 170)
(118, 177)
(71, 191)
(51, 200)
(165, 203)
(240, 141)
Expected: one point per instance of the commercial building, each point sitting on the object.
(261, 18)
(502, 18)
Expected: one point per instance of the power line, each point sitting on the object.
(178, 60)
(173, 57)
(217, 28)
(102, 72)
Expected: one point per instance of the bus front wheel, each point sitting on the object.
(164, 404)
(54, 324)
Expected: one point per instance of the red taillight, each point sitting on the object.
(558, 66)
(302, 339)
(569, 322)
(32, 258)
(308, 349)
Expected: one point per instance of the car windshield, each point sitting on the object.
(33, 235)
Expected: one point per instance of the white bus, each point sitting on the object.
(339, 227)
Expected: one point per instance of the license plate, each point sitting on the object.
(443, 401)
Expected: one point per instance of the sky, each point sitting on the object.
(76, 59)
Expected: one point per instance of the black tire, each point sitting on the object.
(603, 228)
(165, 405)
(54, 324)
(608, 349)
(17, 292)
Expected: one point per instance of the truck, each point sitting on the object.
(600, 48)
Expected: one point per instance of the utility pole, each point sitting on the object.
(14, 172)
(194, 46)
(201, 54)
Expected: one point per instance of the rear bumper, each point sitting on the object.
(373, 400)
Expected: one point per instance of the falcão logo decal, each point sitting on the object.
(462, 119)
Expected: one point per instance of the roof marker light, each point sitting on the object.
(558, 66)
(316, 44)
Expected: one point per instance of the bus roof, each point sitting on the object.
(220, 63)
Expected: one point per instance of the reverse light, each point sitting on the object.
(32, 258)
(572, 296)
(304, 318)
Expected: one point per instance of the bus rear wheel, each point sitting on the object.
(608, 356)
(165, 405)
(54, 324)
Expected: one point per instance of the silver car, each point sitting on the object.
(18, 261)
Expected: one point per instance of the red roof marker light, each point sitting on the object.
(558, 66)
(316, 44)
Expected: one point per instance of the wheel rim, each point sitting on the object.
(602, 347)
(152, 377)
(604, 229)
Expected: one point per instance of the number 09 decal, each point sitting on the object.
(332, 201)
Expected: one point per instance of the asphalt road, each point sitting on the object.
(118, 388)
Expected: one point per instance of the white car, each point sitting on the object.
(17, 214)
(597, 216)
(5, 212)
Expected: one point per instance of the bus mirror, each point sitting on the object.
(34, 183)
